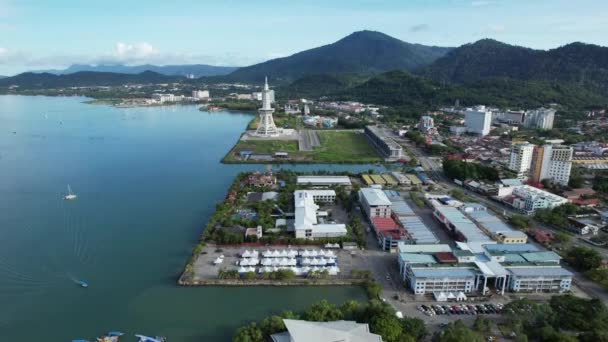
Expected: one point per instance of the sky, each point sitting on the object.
(45, 34)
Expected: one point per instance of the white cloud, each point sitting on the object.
(133, 52)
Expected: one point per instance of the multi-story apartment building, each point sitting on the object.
(478, 120)
(521, 159)
(541, 118)
(553, 162)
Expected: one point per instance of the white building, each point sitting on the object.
(200, 94)
(478, 120)
(375, 203)
(306, 222)
(162, 98)
(528, 199)
(257, 96)
(426, 123)
(541, 118)
(324, 181)
(556, 163)
(521, 159)
(336, 331)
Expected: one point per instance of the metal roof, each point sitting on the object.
(401, 208)
(407, 248)
(512, 247)
(462, 224)
(541, 256)
(375, 196)
(443, 272)
(417, 258)
(418, 230)
(324, 180)
(539, 272)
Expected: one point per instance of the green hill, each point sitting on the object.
(364, 52)
(30, 80)
(576, 64)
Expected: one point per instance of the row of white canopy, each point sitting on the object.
(289, 253)
(287, 262)
(443, 296)
(331, 270)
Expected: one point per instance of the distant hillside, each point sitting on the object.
(410, 95)
(198, 70)
(364, 52)
(1, 77)
(576, 64)
(31, 80)
(315, 86)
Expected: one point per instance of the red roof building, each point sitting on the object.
(388, 232)
(445, 258)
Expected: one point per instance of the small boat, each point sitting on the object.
(82, 283)
(143, 338)
(70, 196)
(112, 336)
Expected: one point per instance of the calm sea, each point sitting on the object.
(147, 179)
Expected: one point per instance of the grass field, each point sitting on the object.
(336, 147)
(345, 146)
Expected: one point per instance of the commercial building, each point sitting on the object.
(514, 117)
(521, 159)
(474, 267)
(305, 331)
(374, 203)
(553, 162)
(541, 118)
(200, 94)
(528, 199)
(307, 225)
(426, 124)
(478, 120)
(493, 226)
(388, 233)
(324, 181)
(385, 144)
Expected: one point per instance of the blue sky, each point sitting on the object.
(40, 34)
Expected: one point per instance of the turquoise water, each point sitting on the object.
(147, 179)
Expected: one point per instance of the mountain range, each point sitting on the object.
(363, 52)
(196, 70)
(577, 63)
(374, 67)
(31, 80)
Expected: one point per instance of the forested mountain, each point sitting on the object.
(316, 86)
(197, 70)
(413, 95)
(575, 64)
(364, 52)
(30, 80)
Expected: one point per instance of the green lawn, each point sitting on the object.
(346, 146)
(336, 147)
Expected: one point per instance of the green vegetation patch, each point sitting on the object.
(344, 146)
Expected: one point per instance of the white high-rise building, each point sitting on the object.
(521, 159)
(541, 118)
(266, 127)
(556, 163)
(426, 123)
(478, 120)
(200, 94)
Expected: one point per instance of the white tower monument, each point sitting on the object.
(266, 128)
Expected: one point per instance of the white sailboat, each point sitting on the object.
(70, 196)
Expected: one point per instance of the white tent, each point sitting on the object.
(306, 253)
(276, 254)
(284, 253)
(461, 296)
(451, 296)
(267, 253)
(246, 254)
(251, 269)
(292, 253)
(440, 296)
(218, 261)
(243, 270)
(266, 262)
(330, 254)
(333, 270)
